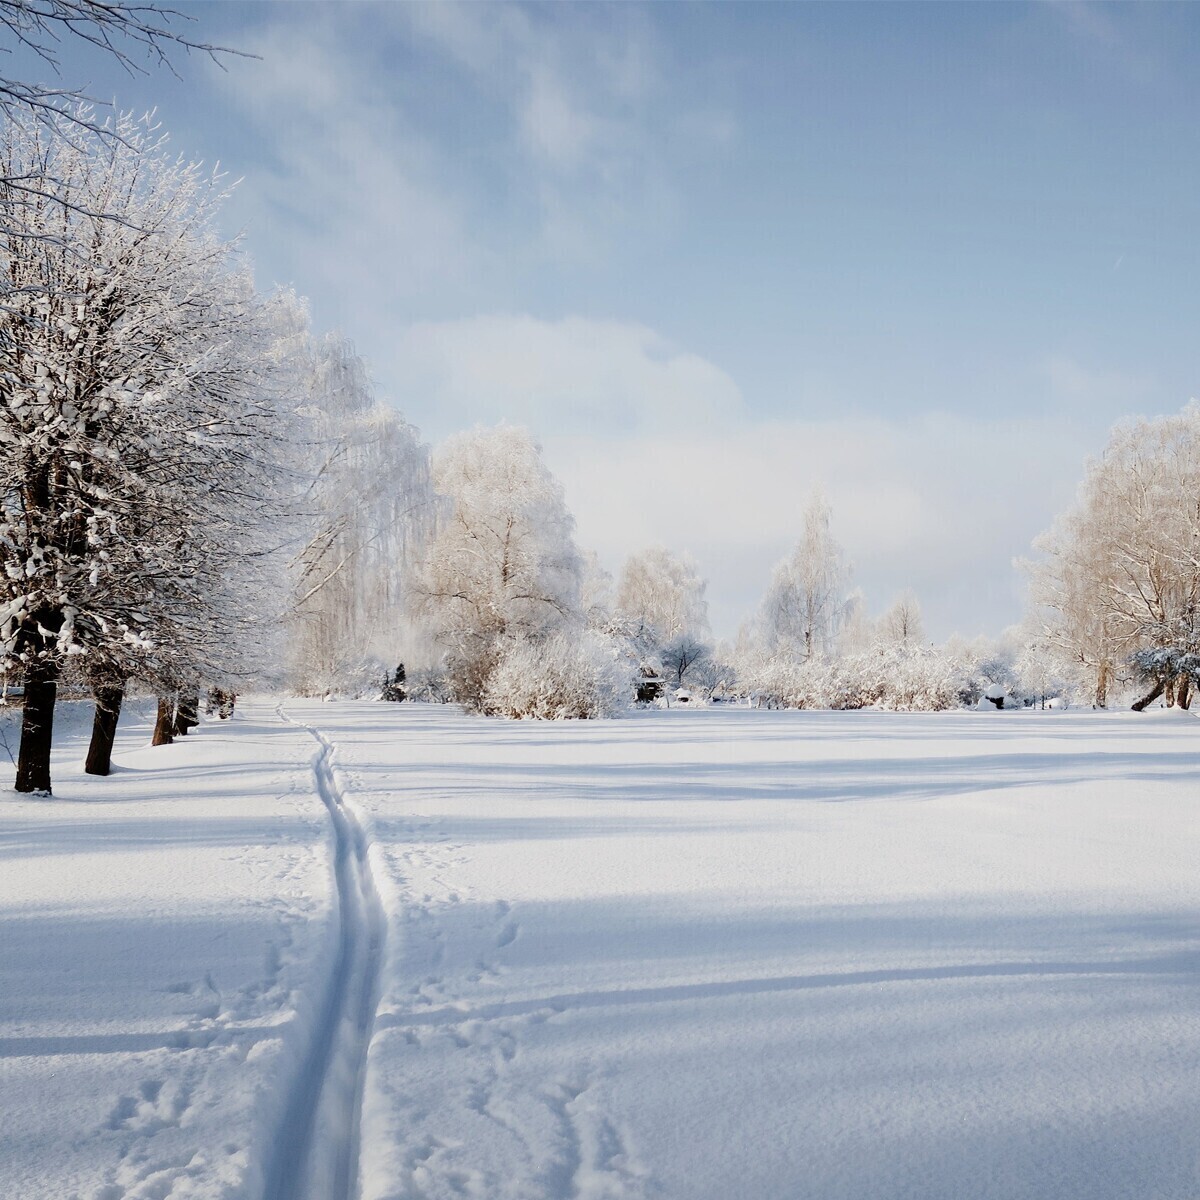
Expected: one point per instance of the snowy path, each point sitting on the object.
(316, 1156)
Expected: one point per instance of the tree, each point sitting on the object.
(664, 593)
(363, 518)
(1119, 582)
(902, 623)
(805, 602)
(683, 654)
(1068, 586)
(136, 418)
(858, 632)
(503, 567)
(596, 592)
(132, 33)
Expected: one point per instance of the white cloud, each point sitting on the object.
(601, 378)
(351, 197)
(593, 121)
(576, 84)
(532, 141)
(559, 132)
(1073, 383)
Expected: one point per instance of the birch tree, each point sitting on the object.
(902, 623)
(365, 515)
(802, 611)
(503, 568)
(662, 592)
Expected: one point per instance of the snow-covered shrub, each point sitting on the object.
(563, 675)
(429, 684)
(713, 678)
(888, 675)
(778, 683)
(925, 680)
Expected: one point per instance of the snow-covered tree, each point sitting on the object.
(503, 567)
(135, 422)
(805, 602)
(902, 623)
(596, 592)
(363, 517)
(1068, 585)
(663, 593)
(1119, 580)
(858, 632)
(684, 657)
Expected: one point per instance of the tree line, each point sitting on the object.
(192, 486)
(197, 491)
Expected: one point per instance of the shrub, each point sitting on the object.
(563, 675)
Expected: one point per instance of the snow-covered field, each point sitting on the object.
(696, 955)
(159, 931)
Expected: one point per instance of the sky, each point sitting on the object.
(715, 256)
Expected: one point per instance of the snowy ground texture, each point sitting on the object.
(695, 955)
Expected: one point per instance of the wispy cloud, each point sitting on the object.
(1076, 385)
(1101, 29)
(523, 138)
(349, 192)
(571, 376)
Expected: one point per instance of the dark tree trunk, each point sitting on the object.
(1183, 693)
(220, 702)
(1158, 690)
(164, 724)
(188, 716)
(1169, 692)
(37, 726)
(109, 697)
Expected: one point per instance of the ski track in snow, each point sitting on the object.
(315, 1156)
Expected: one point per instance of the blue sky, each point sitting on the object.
(922, 256)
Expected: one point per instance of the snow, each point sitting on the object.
(160, 930)
(693, 954)
(714, 953)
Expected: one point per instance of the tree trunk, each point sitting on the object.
(1159, 688)
(164, 724)
(1183, 693)
(109, 697)
(1102, 687)
(1169, 692)
(188, 715)
(37, 726)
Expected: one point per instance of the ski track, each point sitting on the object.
(316, 1152)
